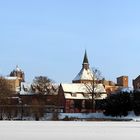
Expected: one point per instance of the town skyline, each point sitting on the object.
(50, 37)
(85, 59)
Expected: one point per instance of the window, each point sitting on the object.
(85, 94)
(74, 95)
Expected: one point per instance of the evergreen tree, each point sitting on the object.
(118, 104)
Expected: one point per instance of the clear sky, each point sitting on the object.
(49, 37)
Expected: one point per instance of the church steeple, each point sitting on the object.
(85, 61)
(85, 75)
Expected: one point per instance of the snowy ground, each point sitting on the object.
(49, 130)
(130, 116)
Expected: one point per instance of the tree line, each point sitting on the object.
(119, 104)
(18, 106)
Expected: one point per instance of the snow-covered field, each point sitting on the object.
(51, 130)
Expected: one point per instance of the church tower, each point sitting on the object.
(17, 72)
(85, 75)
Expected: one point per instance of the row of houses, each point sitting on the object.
(81, 95)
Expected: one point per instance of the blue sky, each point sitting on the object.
(49, 37)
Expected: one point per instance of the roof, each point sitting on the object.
(26, 89)
(137, 78)
(83, 88)
(10, 77)
(83, 96)
(85, 60)
(84, 74)
(17, 68)
(82, 91)
(30, 89)
(126, 89)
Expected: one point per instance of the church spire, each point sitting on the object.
(85, 75)
(85, 61)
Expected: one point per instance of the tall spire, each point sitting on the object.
(85, 61)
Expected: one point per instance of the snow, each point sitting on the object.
(77, 96)
(58, 130)
(99, 88)
(11, 78)
(99, 115)
(82, 96)
(84, 75)
(80, 89)
(127, 89)
(18, 69)
(26, 89)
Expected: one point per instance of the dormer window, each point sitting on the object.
(74, 94)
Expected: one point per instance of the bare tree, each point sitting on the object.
(91, 87)
(5, 94)
(42, 84)
(5, 89)
(45, 88)
(37, 108)
(97, 74)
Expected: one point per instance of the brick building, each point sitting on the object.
(136, 83)
(77, 96)
(122, 81)
(111, 87)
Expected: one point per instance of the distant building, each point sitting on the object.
(17, 72)
(15, 78)
(122, 81)
(13, 83)
(136, 83)
(30, 95)
(110, 86)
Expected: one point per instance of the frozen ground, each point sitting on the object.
(130, 116)
(49, 130)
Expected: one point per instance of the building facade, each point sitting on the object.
(136, 83)
(122, 81)
(112, 87)
(13, 83)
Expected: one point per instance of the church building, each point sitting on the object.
(85, 75)
(79, 95)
